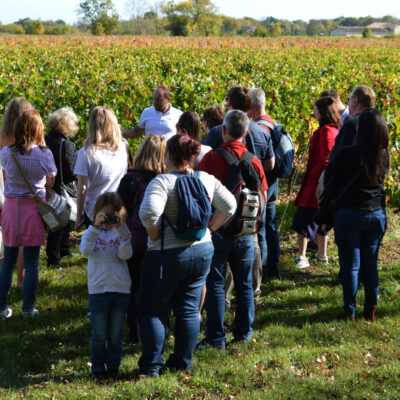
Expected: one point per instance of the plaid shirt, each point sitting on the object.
(37, 165)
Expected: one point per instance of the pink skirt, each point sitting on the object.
(21, 223)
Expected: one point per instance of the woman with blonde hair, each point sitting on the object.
(101, 163)
(62, 125)
(14, 110)
(20, 220)
(148, 162)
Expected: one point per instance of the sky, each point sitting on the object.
(13, 10)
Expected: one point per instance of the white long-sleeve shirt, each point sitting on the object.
(107, 252)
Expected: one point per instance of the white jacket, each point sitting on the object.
(107, 252)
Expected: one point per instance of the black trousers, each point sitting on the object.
(133, 313)
(58, 245)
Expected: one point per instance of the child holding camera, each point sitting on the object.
(107, 244)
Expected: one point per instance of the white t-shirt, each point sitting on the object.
(203, 151)
(344, 115)
(156, 122)
(104, 169)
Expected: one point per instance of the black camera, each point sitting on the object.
(111, 218)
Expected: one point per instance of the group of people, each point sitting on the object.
(137, 262)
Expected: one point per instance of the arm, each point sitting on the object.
(154, 233)
(140, 127)
(50, 181)
(325, 143)
(88, 241)
(269, 164)
(218, 220)
(133, 133)
(68, 160)
(51, 169)
(125, 247)
(80, 198)
(152, 207)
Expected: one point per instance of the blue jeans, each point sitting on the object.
(358, 235)
(171, 278)
(31, 280)
(108, 311)
(268, 236)
(240, 253)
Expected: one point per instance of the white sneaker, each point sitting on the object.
(302, 262)
(6, 313)
(323, 260)
(32, 313)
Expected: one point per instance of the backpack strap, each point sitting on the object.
(249, 157)
(267, 124)
(228, 157)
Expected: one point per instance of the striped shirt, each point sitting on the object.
(161, 197)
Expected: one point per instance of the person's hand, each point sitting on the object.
(121, 219)
(78, 223)
(100, 219)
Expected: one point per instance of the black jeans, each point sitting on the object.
(58, 245)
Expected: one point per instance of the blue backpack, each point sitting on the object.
(283, 148)
(194, 208)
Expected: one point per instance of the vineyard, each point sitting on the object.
(122, 72)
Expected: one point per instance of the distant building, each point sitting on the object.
(377, 29)
(249, 28)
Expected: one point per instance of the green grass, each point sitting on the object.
(301, 348)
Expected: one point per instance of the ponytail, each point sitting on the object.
(182, 149)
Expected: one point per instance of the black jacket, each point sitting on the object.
(54, 140)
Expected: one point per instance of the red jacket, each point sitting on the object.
(321, 144)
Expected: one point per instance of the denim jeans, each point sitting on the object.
(268, 237)
(108, 311)
(240, 253)
(31, 280)
(358, 235)
(171, 278)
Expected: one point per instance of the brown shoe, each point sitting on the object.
(347, 318)
(369, 314)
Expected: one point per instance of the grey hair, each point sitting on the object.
(167, 92)
(236, 123)
(64, 121)
(258, 97)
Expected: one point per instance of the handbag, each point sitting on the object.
(329, 202)
(1, 244)
(55, 211)
(71, 200)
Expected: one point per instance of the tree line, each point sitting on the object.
(178, 18)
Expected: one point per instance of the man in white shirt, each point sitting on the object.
(343, 110)
(159, 119)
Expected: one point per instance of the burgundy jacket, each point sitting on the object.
(321, 143)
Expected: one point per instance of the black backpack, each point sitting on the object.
(243, 181)
(131, 190)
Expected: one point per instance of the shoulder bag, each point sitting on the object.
(55, 211)
(328, 203)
